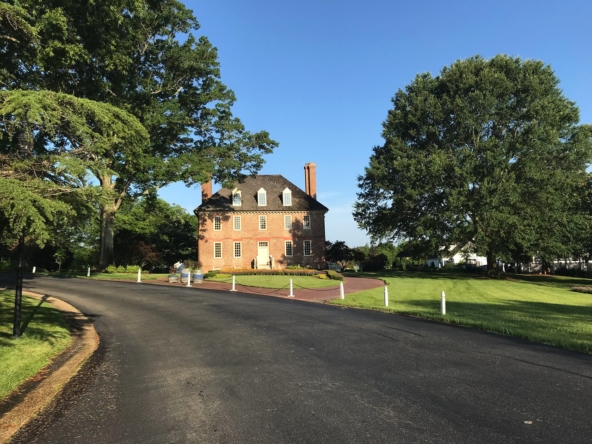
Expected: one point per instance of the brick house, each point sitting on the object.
(264, 222)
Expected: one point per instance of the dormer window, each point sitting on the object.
(262, 197)
(236, 198)
(287, 197)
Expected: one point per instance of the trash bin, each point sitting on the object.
(184, 276)
(197, 277)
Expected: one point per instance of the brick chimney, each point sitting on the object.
(206, 191)
(310, 179)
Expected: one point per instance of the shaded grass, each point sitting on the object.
(277, 281)
(44, 335)
(109, 276)
(539, 308)
(126, 276)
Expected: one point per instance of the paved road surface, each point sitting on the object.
(187, 365)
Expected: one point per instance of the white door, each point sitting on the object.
(263, 255)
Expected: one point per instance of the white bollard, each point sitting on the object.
(233, 283)
(341, 292)
(34, 270)
(291, 295)
(88, 272)
(140, 274)
(443, 303)
(189, 277)
(385, 296)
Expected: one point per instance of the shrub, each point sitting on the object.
(261, 272)
(375, 262)
(121, 269)
(111, 269)
(8, 266)
(572, 272)
(587, 290)
(211, 274)
(332, 274)
(132, 268)
(322, 276)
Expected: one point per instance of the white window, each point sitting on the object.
(236, 198)
(262, 197)
(236, 223)
(287, 222)
(289, 248)
(307, 248)
(218, 250)
(306, 222)
(238, 249)
(287, 198)
(263, 222)
(217, 223)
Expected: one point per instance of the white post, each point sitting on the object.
(341, 292)
(233, 283)
(34, 270)
(291, 295)
(140, 274)
(385, 296)
(443, 303)
(88, 272)
(189, 277)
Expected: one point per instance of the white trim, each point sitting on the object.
(265, 221)
(236, 192)
(240, 248)
(287, 193)
(240, 223)
(286, 248)
(304, 225)
(260, 193)
(287, 217)
(309, 248)
(217, 243)
(218, 221)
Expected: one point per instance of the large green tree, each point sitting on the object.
(46, 139)
(141, 56)
(488, 152)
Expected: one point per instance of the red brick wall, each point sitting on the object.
(250, 235)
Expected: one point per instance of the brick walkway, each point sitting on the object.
(350, 285)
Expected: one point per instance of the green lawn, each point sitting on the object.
(44, 335)
(538, 308)
(277, 281)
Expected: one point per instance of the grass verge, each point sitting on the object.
(267, 281)
(44, 335)
(539, 308)
(109, 276)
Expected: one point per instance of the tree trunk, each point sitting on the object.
(492, 268)
(106, 249)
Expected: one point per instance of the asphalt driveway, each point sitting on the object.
(187, 365)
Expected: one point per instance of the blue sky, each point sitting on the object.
(320, 75)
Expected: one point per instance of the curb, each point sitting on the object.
(28, 401)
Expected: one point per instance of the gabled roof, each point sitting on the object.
(273, 184)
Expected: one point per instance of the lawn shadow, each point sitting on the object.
(550, 280)
(394, 274)
(37, 325)
(515, 317)
(25, 324)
